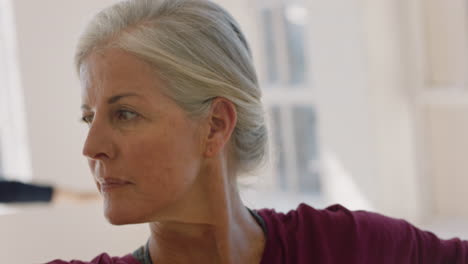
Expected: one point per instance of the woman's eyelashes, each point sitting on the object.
(119, 116)
(87, 119)
(124, 115)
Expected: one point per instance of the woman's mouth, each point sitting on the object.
(111, 184)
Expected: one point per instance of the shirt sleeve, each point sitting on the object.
(387, 240)
(13, 191)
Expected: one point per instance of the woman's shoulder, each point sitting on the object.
(308, 234)
(307, 216)
(359, 236)
(335, 225)
(103, 258)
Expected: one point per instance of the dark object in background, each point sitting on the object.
(14, 191)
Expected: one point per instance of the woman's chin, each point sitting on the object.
(117, 219)
(118, 216)
(123, 212)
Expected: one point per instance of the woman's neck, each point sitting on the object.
(215, 227)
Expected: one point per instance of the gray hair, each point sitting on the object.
(198, 49)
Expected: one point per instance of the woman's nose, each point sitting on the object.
(98, 144)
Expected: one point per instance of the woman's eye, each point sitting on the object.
(125, 115)
(88, 119)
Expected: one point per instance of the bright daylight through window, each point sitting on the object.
(287, 88)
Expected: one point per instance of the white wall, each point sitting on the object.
(445, 103)
(39, 234)
(342, 93)
(366, 118)
(47, 32)
(447, 130)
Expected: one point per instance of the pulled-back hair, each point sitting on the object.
(199, 51)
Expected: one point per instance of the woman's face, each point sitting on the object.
(143, 150)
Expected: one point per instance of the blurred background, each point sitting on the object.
(367, 103)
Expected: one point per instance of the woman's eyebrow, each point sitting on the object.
(112, 100)
(85, 107)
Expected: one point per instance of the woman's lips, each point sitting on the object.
(110, 184)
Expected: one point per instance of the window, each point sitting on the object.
(14, 158)
(288, 98)
(442, 102)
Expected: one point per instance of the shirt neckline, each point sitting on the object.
(143, 255)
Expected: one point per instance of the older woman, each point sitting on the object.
(174, 112)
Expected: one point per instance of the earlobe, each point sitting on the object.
(210, 151)
(213, 145)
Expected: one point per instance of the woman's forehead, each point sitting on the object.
(116, 72)
(115, 63)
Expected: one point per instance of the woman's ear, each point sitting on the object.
(222, 120)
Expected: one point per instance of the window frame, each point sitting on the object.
(443, 28)
(284, 95)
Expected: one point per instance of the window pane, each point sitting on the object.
(269, 45)
(278, 148)
(295, 22)
(306, 144)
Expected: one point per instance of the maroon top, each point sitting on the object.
(336, 235)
